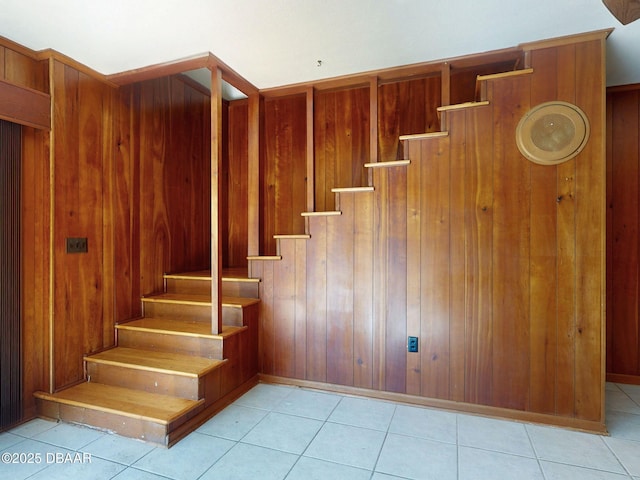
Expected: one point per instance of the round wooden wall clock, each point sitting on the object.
(552, 132)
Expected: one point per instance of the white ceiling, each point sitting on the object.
(279, 42)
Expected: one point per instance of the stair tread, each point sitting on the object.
(178, 327)
(197, 299)
(228, 275)
(162, 409)
(162, 362)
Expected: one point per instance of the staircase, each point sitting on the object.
(168, 373)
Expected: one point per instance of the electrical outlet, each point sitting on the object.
(77, 245)
(412, 344)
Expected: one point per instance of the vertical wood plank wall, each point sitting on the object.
(22, 68)
(495, 263)
(235, 185)
(83, 283)
(283, 188)
(623, 173)
(161, 192)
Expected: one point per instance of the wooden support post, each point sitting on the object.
(216, 190)
(373, 125)
(253, 180)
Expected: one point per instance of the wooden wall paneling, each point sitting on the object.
(267, 322)
(310, 148)
(35, 265)
(380, 283)
(284, 310)
(109, 280)
(363, 289)
(406, 107)
(511, 248)
(479, 212)
(396, 302)
(341, 142)
(457, 127)
(237, 181)
(414, 262)
(126, 198)
(435, 265)
(316, 291)
(566, 262)
(154, 224)
(623, 295)
(544, 252)
(340, 289)
(324, 150)
(609, 231)
(23, 70)
(175, 170)
(78, 278)
(300, 299)
(590, 247)
(284, 190)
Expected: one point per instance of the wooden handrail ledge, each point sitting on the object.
(264, 257)
(460, 106)
(418, 136)
(321, 214)
(393, 163)
(352, 189)
(512, 73)
(297, 236)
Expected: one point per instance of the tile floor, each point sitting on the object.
(277, 432)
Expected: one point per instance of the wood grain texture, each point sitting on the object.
(284, 182)
(476, 251)
(341, 142)
(406, 107)
(624, 156)
(82, 119)
(235, 229)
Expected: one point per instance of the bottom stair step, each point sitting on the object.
(132, 413)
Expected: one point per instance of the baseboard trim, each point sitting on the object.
(621, 378)
(458, 407)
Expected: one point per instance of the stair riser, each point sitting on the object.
(191, 388)
(160, 342)
(200, 313)
(230, 288)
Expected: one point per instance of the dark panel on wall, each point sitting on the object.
(11, 401)
(623, 353)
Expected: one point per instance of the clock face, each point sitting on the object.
(552, 133)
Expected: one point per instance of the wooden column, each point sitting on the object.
(216, 189)
(253, 181)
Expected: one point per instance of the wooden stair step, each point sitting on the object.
(153, 361)
(132, 413)
(171, 326)
(163, 372)
(167, 334)
(197, 307)
(162, 409)
(235, 283)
